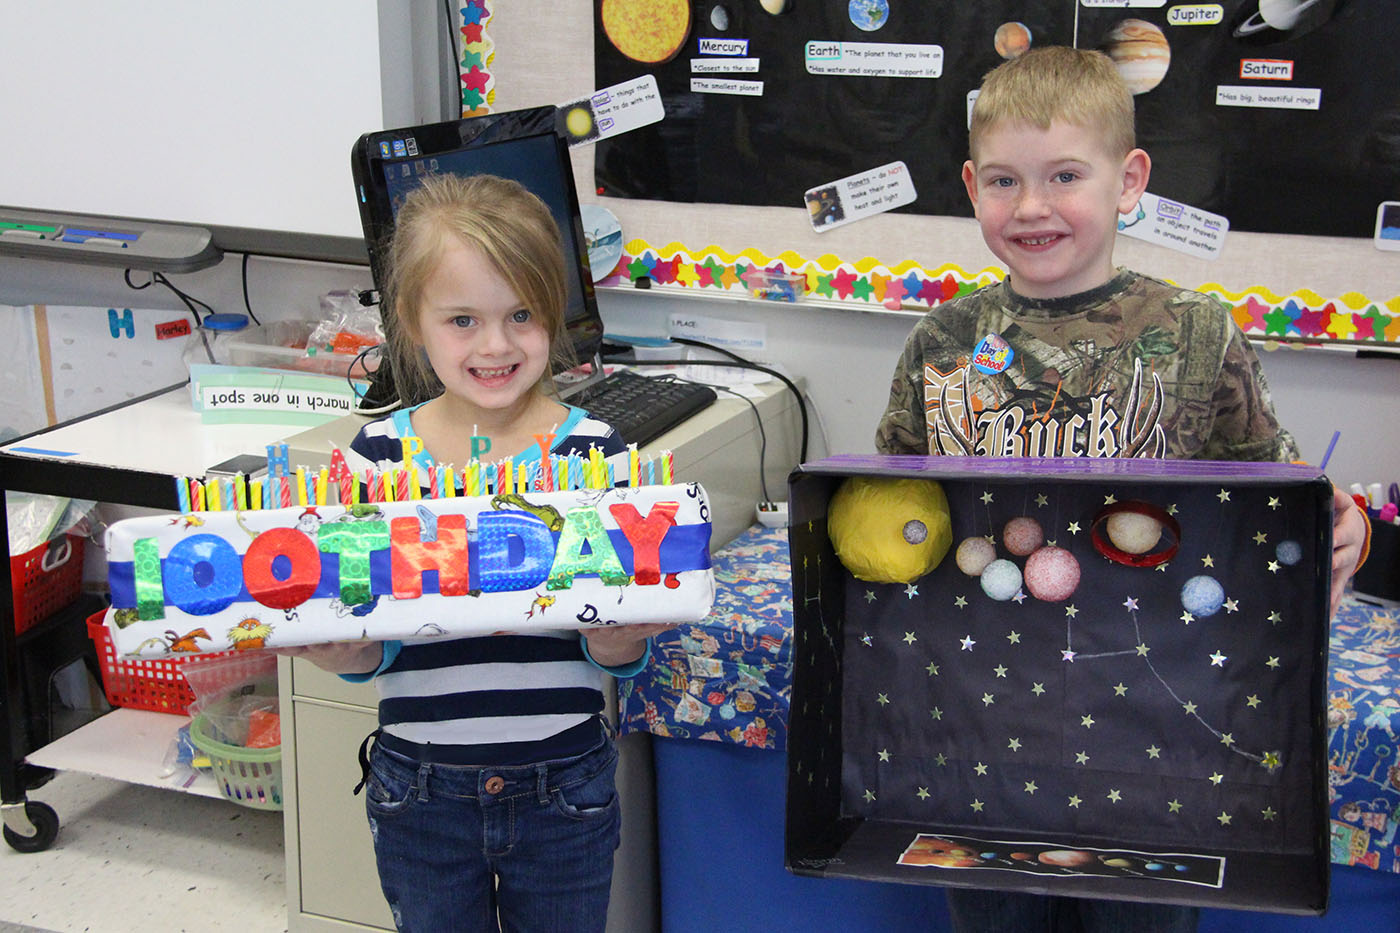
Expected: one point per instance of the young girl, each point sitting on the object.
(490, 780)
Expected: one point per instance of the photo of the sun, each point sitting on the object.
(646, 31)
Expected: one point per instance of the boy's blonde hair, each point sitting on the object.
(1051, 83)
(511, 227)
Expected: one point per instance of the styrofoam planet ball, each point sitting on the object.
(1289, 552)
(1133, 532)
(974, 554)
(1052, 574)
(1022, 536)
(1001, 580)
(1202, 596)
(889, 529)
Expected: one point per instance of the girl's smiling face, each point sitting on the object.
(1048, 202)
(488, 349)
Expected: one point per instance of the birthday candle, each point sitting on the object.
(611, 481)
(213, 496)
(651, 471)
(634, 466)
(415, 491)
(340, 472)
(182, 493)
(547, 470)
(667, 463)
(372, 485)
(354, 491)
(198, 489)
(301, 485)
(255, 494)
(524, 484)
(240, 491)
(285, 482)
(325, 481)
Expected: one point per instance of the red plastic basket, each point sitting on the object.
(143, 683)
(45, 579)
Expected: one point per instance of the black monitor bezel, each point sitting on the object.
(585, 330)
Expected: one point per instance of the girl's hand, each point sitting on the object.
(617, 645)
(1348, 537)
(349, 657)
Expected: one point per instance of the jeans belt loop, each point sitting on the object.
(542, 783)
(425, 769)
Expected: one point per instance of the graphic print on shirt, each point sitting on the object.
(1096, 425)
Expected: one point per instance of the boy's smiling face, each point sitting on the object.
(1048, 202)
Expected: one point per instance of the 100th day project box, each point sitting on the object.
(1094, 714)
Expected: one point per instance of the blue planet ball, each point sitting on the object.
(1001, 580)
(1202, 596)
(1289, 552)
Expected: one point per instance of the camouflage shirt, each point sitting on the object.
(1134, 368)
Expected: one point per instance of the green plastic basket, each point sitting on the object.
(248, 776)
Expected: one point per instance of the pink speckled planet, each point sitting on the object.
(1052, 574)
(974, 554)
(1022, 536)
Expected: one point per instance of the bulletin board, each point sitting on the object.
(736, 211)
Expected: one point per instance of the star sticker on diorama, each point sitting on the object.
(869, 795)
(1269, 814)
(932, 669)
(1052, 542)
(988, 699)
(1273, 566)
(967, 642)
(1251, 701)
(1223, 495)
(910, 638)
(1217, 659)
(1142, 650)
(987, 497)
(1275, 617)
(960, 602)
(1073, 528)
(882, 699)
(1110, 499)
(1014, 744)
(1260, 537)
(1208, 561)
(1114, 796)
(1037, 689)
(1086, 721)
(1014, 637)
(1232, 605)
(936, 713)
(1131, 604)
(940, 759)
(1173, 806)
(1081, 758)
(977, 805)
(884, 754)
(1273, 502)
(1120, 689)
(1031, 788)
(1189, 707)
(1162, 568)
(1188, 618)
(922, 793)
(1071, 611)
(1216, 778)
(1224, 818)
(1075, 801)
(1154, 752)
(999, 670)
(1272, 662)
(869, 597)
(1041, 500)
(1227, 738)
(867, 640)
(1019, 598)
(1067, 655)
(980, 768)
(1272, 761)
(911, 590)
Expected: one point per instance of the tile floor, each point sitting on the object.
(134, 858)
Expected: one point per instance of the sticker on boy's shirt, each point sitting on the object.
(993, 355)
(1177, 226)
(613, 110)
(856, 197)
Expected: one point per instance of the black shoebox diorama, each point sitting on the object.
(1094, 678)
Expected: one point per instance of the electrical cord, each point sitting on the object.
(762, 435)
(158, 278)
(355, 391)
(246, 303)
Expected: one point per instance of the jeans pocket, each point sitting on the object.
(390, 787)
(587, 789)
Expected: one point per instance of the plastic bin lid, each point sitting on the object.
(225, 321)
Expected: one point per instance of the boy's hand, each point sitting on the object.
(617, 645)
(1348, 536)
(348, 657)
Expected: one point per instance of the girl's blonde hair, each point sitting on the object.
(1051, 83)
(511, 227)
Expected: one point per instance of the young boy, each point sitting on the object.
(1070, 356)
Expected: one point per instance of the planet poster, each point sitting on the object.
(1281, 115)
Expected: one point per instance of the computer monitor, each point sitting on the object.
(525, 145)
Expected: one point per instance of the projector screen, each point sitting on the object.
(238, 117)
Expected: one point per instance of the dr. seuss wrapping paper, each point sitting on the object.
(422, 568)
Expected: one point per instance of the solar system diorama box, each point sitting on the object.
(1096, 678)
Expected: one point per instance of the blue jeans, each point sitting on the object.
(458, 846)
(974, 910)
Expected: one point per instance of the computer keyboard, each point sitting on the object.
(642, 408)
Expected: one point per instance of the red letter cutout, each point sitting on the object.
(645, 535)
(300, 584)
(410, 556)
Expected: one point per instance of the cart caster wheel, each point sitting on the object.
(45, 821)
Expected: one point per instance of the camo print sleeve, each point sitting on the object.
(1245, 426)
(902, 429)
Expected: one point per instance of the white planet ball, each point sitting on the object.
(1133, 532)
(1001, 580)
(974, 554)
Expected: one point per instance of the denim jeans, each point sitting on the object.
(977, 911)
(458, 846)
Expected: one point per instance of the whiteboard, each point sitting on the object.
(234, 116)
